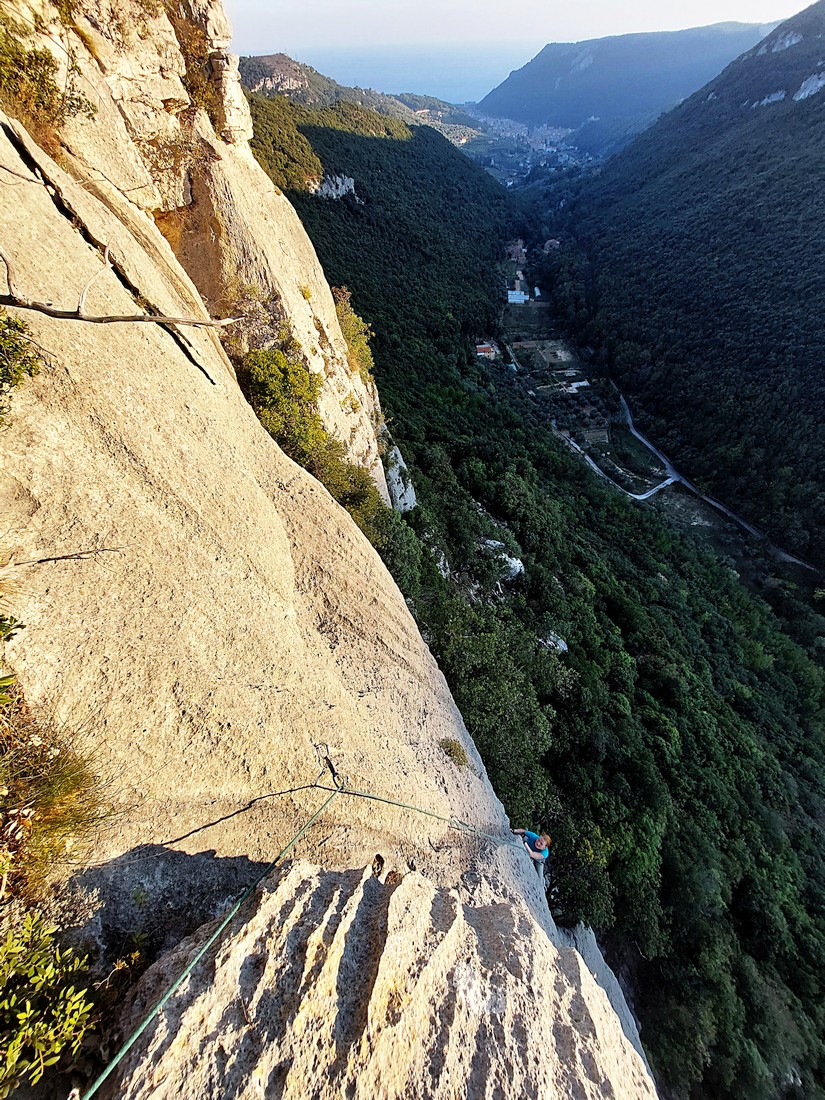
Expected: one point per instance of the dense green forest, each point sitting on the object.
(626, 692)
(693, 270)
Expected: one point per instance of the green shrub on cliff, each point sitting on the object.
(284, 394)
(50, 802)
(357, 334)
(42, 1013)
(29, 82)
(17, 357)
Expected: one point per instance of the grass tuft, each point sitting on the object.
(51, 799)
(455, 750)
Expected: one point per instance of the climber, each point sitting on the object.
(537, 846)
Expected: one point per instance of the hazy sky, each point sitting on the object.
(458, 50)
(267, 26)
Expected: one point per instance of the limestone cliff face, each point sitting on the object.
(224, 617)
(341, 984)
(186, 164)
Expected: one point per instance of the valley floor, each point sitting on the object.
(594, 420)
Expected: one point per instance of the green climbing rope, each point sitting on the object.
(135, 1035)
(453, 822)
(340, 787)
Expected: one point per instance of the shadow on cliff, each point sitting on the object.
(152, 896)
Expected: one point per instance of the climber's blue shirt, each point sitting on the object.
(530, 840)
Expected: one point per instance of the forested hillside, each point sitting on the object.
(430, 290)
(614, 87)
(280, 75)
(702, 290)
(625, 691)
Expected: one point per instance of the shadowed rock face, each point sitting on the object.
(226, 616)
(344, 984)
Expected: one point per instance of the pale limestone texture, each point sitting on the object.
(233, 617)
(341, 984)
(232, 231)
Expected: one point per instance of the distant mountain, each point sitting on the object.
(456, 72)
(609, 89)
(279, 74)
(706, 237)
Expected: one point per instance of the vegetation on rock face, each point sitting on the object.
(18, 356)
(357, 334)
(51, 801)
(42, 1013)
(29, 82)
(194, 47)
(455, 750)
(675, 750)
(284, 394)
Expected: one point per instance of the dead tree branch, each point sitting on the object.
(20, 301)
(81, 302)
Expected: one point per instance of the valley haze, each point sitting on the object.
(457, 51)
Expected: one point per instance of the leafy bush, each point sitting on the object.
(455, 750)
(28, 84)
(42, 1014)
(17, 357)
(50, 801)
(284, 394)
(357, 334)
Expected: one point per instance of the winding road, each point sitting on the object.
(673, 476)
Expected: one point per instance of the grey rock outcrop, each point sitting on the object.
(399, 482)
(334, 187)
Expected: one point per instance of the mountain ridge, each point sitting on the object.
(622, 82)
(280, 74)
